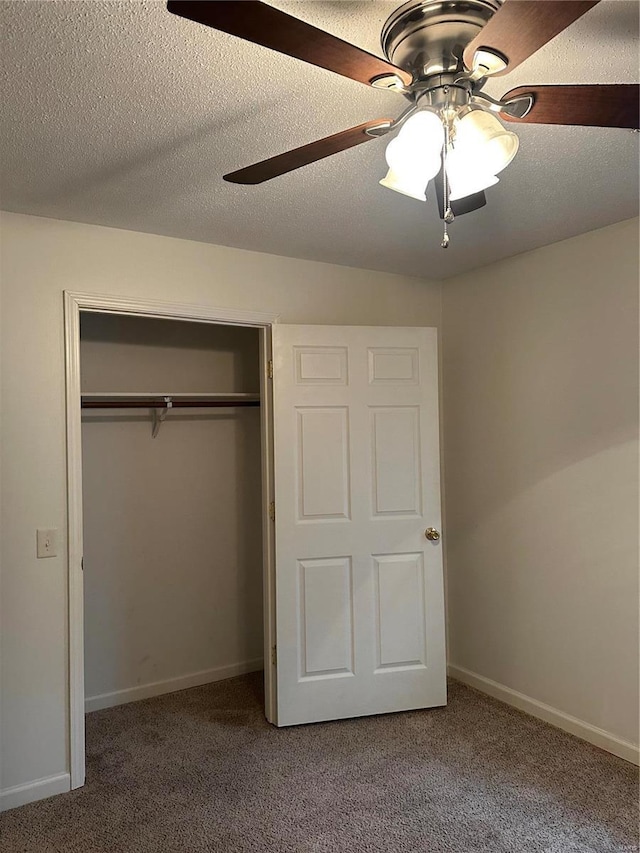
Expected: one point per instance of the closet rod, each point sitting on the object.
(176, 403)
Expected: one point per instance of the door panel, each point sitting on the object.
(322, 440)
(321, 365)
(400, 605)
(326, 611)
(395, 452)
(359, 591)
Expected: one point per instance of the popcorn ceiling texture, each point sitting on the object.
(120, 114)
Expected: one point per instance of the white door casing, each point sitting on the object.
(74, 304)
(359, 589)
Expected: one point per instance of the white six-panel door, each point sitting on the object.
(359, 589)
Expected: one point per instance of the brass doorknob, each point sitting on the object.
(432, 534)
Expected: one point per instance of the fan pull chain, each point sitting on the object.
(446, 203)
(445, 236)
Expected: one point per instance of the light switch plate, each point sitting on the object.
(48, 542)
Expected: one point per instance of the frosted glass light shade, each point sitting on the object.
(482, 138)
(423, 125)
(412, 163)
(461, 187)
(406, 184)
(417, 147)
(465, 177)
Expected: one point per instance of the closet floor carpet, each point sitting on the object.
(202, 770)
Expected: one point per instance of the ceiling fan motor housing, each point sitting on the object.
(428, 37)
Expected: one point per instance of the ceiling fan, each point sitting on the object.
(440, 54)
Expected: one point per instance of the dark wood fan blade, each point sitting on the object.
(461, 205)
(520, 27)
(290, 160)
(611, 105)
(468, 204)
(262, 24)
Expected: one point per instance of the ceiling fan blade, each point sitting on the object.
(611, 105)
(318, 150)
(461, 205)
(262, 24)
(468, 204)
(520, 27)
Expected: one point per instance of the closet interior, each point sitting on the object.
(172, 505)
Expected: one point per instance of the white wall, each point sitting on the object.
(172, 524)
(541, 459)
(40, 258)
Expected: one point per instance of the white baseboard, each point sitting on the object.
(20, 795)
(598, 737)
(170, 685)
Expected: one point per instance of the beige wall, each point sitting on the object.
(540, 410)
(541, 459)
(40, 258)
(172, 557)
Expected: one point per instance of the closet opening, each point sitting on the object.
(174, 453)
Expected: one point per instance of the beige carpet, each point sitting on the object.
(201, 770)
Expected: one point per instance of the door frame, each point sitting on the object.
(74, 304)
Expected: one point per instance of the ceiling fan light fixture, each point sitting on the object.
(424, 125)
(413, 156)
(481, 137)
(464, 175)
(488, 62)
(464, 184)
(416, 149)
(413, 162)
(406, 184)
(388, 82)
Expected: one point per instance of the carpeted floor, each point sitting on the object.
(202, 770)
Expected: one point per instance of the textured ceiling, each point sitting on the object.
(121, 114)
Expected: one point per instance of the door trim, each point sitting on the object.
(74, 304)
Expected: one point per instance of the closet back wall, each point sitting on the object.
(172, 525)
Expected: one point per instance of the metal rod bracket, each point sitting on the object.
(158, 417)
